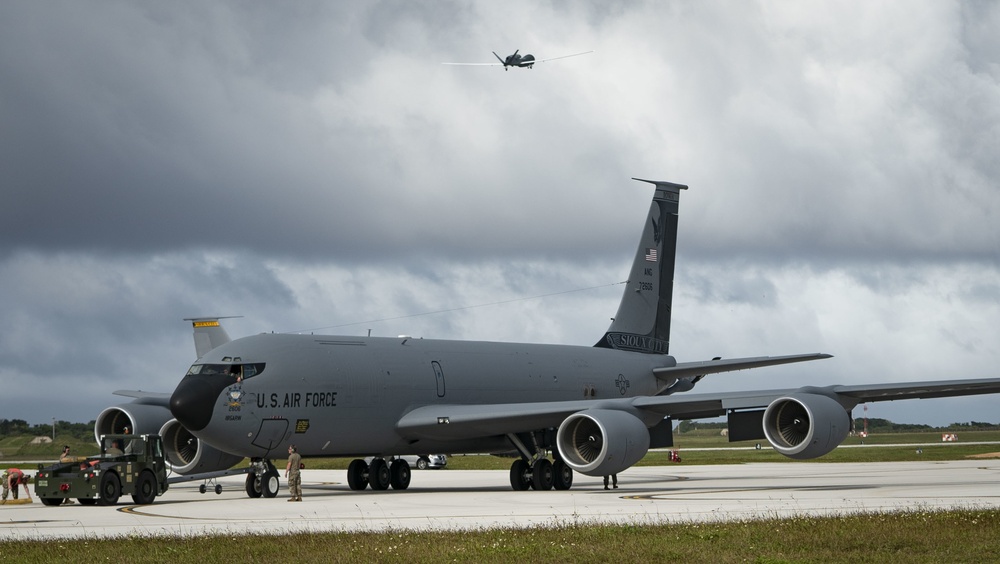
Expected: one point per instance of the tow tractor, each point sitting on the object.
(128, 464)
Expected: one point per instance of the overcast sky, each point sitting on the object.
(314, 166)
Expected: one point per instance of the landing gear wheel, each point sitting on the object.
(520, 475)
(356, 471)
(269, 485)
(541, 475)
(51, 500)
(378, 474)
(111, 489)
(562, 475)
(399, 474)
(202, 489)
(218, 489)
(422, 463)
(145, 489)
(253, 485)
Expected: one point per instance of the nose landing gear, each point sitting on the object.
(262, 479)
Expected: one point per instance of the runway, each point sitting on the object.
(477, 499)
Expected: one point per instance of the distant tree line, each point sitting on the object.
(64, 429)
(874, 426)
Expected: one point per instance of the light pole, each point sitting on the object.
(53, 429)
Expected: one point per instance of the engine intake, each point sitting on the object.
(186, 454)
(803, 426)
(598, 442)
(140, 419)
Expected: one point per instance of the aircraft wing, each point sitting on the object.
(563, 57)
(696, 406)
(475, 64)
(688, 369)
(470, 421)
(446, 422)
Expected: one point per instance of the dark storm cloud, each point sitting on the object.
(169, 131)
(290, 132)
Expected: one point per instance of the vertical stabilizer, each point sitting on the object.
(208, 334)
(643, 320)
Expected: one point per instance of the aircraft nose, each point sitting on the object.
(195, 398)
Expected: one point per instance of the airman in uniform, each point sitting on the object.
(292, 473)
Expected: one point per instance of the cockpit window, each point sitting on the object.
(238, 371)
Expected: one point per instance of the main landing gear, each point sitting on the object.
(541, 475)
(534, 471)
(262, 479)
(380, 474)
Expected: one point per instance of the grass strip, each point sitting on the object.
(915, 536)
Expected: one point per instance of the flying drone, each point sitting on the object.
(520, 61)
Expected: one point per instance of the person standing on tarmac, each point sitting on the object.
(292, 473)
(614, 478)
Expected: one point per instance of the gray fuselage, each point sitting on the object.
(343, 396)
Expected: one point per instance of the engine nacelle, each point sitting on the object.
(806, 425)
(598, 442)
(140, 418)
(186, 454)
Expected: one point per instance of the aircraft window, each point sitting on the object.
(209, 369)
(235, 370)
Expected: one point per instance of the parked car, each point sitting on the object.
(421, 461)
(425, 461)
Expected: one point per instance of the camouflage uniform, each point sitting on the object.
(294, 477)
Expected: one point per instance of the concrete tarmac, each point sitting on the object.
(477, 499)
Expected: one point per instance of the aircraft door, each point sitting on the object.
(271, 434)
(439, 377)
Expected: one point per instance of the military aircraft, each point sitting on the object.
(515, 60)
(593, 409)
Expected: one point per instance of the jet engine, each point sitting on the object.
(598, 442)
(805, 425)
(186, 454)
(140, 418)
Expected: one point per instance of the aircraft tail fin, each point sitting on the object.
(208, 334)
(643, 320)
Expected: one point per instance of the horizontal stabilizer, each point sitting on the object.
(690, 369)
